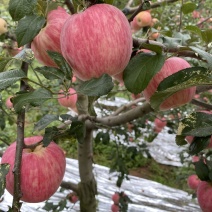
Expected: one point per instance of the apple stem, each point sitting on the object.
(16, 205)
(32, 146)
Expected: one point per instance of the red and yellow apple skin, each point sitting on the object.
(49, 37)
(204, 196)
(3, 26)
(171, 66)
(193, 181)
(97, 41)
(42, 170)
(143, 19)
(69, 100)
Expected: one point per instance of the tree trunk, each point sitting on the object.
(87, 187)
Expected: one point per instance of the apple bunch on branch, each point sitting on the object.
(86, 52)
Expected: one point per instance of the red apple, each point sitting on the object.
(193, 181)
(154, 35)
(72, 197)
(74, 79)
(160, 122)
(204, 196)
(143, 19)
(42, 170)
(116, 198)
(154, 21)
(69, 100)
(114, 208)
(171, 66)
(195, 159)
(49, 37)
(196, 14)
(97, 41)
(134, 26)
(3, 26)
(8, 103)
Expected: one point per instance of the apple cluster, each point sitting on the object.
(87, 41)
(144, 19)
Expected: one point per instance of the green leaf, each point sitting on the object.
(170, 42)
(188, 7)
(103, 138)
(77, 129)
(62, 64)
(4, 169)
(19, 8)
(198, 144)
(45, 121)
(62, 204)
(152, 47)
(8, 78)
(180, 140)
(207, 35)
(51, 73)
(196, 124)
(96, 86)
(146, 5)
(109, 1)
(33, 98)
(184, 38)
(140, 71)
(67, 117)
(194, 29)
(28, 28)
(178, 81)
(202, 170)
(204, 55)
(49, 135)
(3, 63)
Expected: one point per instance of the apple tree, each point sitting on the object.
(90, 51)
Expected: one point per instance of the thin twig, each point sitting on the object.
(129, 10)
(201, 104)
(128, 106)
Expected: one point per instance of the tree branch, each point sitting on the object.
(70, 6)
(127, 106)
(201, 104)
(69, 185)
(129, 10)
(128, 116)
(138, 42)
(203, 88)
(19, 148)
